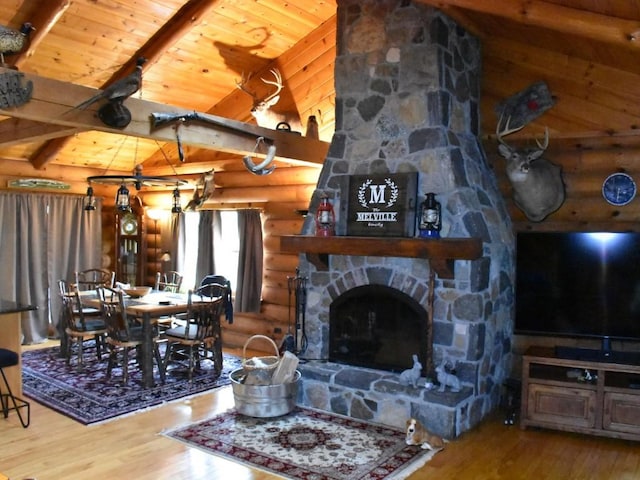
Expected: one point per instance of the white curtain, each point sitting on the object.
(44, 238)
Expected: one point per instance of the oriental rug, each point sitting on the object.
(307, 444)
(89, 397)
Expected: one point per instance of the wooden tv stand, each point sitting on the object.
(556, 394)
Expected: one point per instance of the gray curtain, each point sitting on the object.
(169, 240)
(206, 259)
(43, 238)
(74, 244)
(179, 243)
(249, 288)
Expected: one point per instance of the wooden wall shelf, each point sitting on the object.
(441, 253)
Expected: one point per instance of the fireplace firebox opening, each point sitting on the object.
(378, 327)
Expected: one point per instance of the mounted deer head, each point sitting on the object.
(537, 184)
(262, 111)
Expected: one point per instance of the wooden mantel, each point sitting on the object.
(441, 253)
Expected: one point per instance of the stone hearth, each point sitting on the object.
(407, 85)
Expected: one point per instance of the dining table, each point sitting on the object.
(148, 309)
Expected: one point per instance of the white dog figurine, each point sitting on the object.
(418, 435)
(412, 375)
(447, 380)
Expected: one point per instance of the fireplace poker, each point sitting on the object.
(288, 342)
(302, 294)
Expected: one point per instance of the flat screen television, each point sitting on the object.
(578, 284)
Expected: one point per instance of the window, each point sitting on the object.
(228, 247)
(226, 251)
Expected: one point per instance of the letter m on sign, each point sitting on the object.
(376, 194)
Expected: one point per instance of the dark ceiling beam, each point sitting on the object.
(617, 31)
(172, 31)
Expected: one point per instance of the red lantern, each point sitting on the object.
(325, 218)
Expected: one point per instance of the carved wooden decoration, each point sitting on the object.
(13, 91)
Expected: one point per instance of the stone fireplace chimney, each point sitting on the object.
(407, 94)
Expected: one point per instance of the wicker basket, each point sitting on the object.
(268, 363)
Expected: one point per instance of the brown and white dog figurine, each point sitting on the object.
(418, 435)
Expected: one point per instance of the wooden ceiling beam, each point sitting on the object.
(15, 131)
(53, 101)
(552, 16)
(45, 17)
(164, 38)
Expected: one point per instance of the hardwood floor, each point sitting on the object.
(55, 447)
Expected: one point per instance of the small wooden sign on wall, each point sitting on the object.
(382, 205)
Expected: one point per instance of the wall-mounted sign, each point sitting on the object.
(38, 183)
(13, 92)
(382, 205)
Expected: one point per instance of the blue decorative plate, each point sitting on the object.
(619, 189)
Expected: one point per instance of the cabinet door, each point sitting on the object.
(566, 406)
(621, 412)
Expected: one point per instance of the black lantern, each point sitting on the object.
(430, 221)
(89, 200)
(122, 199)
(175, 205)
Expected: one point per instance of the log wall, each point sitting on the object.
(583, 170)
(279, 205)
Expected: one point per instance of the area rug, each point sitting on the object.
(307, 444)
(89, 397)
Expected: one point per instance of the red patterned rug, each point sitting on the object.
(88, 396)
(308, 445)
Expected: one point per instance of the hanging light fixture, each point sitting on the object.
(89, 200)
(176, 207)
(123, 198)
(138, 180)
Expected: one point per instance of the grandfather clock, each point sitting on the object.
(130, 244)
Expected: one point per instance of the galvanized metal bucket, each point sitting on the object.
(264, 401)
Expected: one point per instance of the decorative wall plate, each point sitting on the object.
(619, 189)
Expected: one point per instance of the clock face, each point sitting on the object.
(129, 225)
(619, 189)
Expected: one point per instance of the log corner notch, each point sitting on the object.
(53, 102)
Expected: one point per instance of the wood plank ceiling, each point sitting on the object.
(587, 51)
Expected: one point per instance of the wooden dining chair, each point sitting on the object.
(93, 278)
(80, 323)
(199, 338)
(228, 300)
(124, 334)
(169, 281)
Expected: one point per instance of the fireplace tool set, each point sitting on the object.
(296, 342)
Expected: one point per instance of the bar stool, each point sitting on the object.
(9, 358)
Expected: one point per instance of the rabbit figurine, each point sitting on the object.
(412, 375)
(447, 380)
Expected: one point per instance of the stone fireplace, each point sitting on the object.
(374, 326)
(407, 93)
